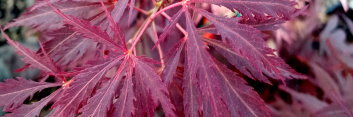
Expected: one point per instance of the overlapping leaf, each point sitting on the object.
(241, 99)
(124, 106)
(268, 24)
(198, 67)
(246, 42)
(88, 30)
(215, 83)
(14, 91)
(257, 9)
(100, 103)
(118, 35)
(43, 18)
(311, 103)
(81, 88)
(67, 48)
(119, 9)
(34, 109)
(209, 88)
(172, 63)
(29, 57)
(152, 87)
(174, 20)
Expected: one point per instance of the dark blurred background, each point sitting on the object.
(9, 61)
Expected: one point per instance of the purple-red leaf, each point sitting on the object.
(81, 88)
(257, 9)
(152, 86)
(243, 65)
(42, 17)
(310, 103)
(119, 9)
(192, 101)
(29, 57)
(41, 3)
(331, 89)
(34, 109)
(88, 30)
(268, 24)
(14, 91)
(100, 103)
(198, 68)
(94, 45)
(68, 49)
(172, 63)
(246, 42)
(124, 105)
(131, 8)
(240, 98)
(118, 35)
(222, 92)
(174, 20)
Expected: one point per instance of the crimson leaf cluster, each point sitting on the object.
(127, 58)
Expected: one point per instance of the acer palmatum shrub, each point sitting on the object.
(129, 57)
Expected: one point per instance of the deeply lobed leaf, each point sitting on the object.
(206, 88)
(214, 88)
(29, 57)
(68, 49)
(101, 102)
(41, 16)
(124, 105)
(88, 30)
(152, 87)
(257, 9)
(245, 42)
(81, 88)
(34, 109)
(14, 91)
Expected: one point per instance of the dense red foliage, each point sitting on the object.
(113, 58)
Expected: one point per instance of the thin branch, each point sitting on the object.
(139, 33)
(181, 29)
(159, 48)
